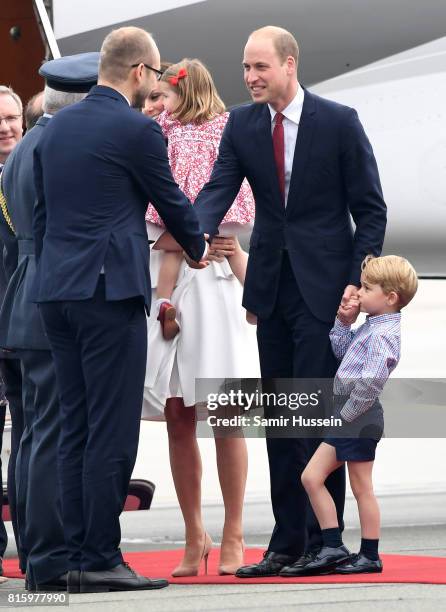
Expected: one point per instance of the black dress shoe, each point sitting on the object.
(324, 562)
(119, 578)
(270, 565)
(360, 564)
(73, 581)
(58, 583)
(299, 564)
(29, 584)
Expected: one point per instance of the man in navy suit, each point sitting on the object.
(311, 168)
(39, 529)
(97, 165)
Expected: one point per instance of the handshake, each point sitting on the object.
(349, 307)
(221, 247)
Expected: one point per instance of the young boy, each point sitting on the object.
(369, 354)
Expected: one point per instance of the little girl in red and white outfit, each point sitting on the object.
(193, 124)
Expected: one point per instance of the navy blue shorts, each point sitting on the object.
(353, 449)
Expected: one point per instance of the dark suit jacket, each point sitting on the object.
(334, 175)
(8, 254)
(8, 262)
(20, 323)
(96, 167)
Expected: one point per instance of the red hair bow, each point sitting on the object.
(182, 73)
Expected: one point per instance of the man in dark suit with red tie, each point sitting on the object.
(312, 169)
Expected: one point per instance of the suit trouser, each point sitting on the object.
(12, 377)
(294, 344)
(99, 349)
(3, 534)
(43, 540)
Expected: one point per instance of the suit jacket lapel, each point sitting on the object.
(265, 144)
(303, 145)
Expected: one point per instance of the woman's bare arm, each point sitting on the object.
(166, 242)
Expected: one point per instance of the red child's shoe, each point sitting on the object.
(169, 324)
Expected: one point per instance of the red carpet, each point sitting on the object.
(159, 564)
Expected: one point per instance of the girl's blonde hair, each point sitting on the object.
(392, 273)
(198, 97)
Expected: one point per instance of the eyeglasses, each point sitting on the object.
(10, 119)
(158, 73)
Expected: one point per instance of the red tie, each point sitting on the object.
(279, 151)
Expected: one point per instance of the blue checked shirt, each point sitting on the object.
(369, 354)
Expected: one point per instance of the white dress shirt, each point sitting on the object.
(291, 120)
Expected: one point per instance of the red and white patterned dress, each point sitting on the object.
(192, 151)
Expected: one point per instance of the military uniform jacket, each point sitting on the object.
(20, 323)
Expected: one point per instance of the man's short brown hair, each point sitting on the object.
(121, 49)
(284, 42)
(34, 110)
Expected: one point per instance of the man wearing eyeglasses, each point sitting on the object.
(10, 122)
(96, 166)
(11, 131)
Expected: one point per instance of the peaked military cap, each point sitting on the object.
(72, 73)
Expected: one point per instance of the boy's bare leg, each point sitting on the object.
(320, 466)
(360, 475)
(368, 560)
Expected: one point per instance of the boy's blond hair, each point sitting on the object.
(199, 99)
(392, 273)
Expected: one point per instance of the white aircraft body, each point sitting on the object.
(363, 54)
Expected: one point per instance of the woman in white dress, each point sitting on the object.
(215, 340)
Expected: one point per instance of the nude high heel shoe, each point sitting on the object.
(192, 570)
(225, 569)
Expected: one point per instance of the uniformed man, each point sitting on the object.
(11, 130)
(41, 536)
